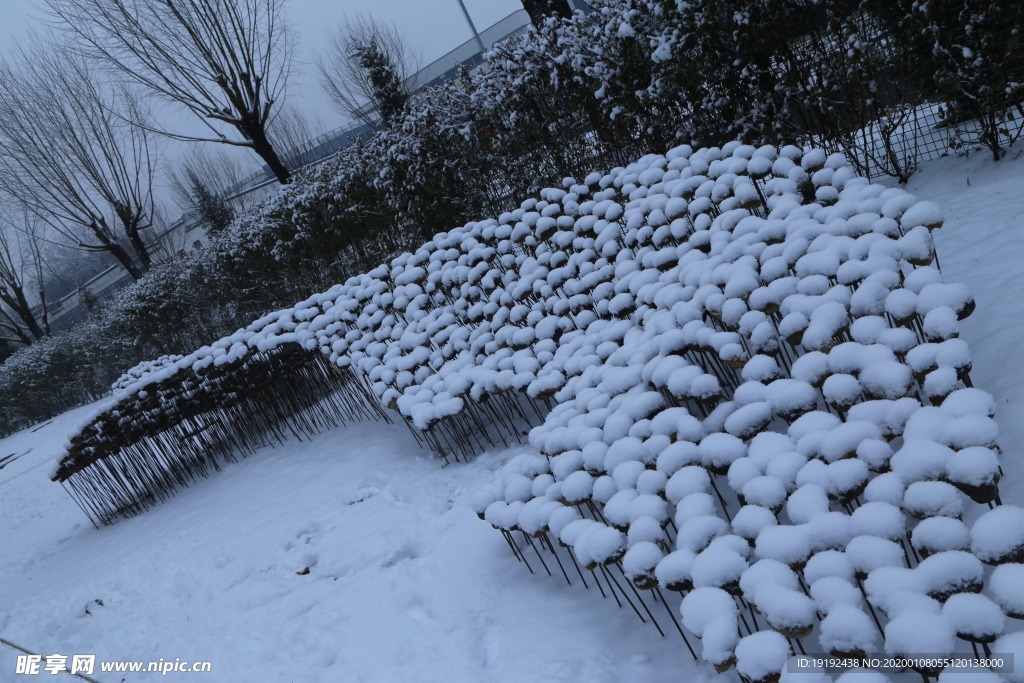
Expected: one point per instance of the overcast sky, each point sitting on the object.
(432, 26)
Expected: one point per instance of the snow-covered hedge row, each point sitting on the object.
(757, 383)
(755, 357)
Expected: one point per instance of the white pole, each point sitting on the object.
(472, 27)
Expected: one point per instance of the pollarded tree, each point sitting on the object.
(21, 268)
(69, 160)
(294, 132)
(225, 61)
(17, 323)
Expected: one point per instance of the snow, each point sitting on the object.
(878, 519)
(404, 582)
(844, 440)
(720, 450)
(888, 488)
(842, 390)
(974, 616)
(641, 559)
(951, 571)
(919, 632)
(847, 629)
(577, 487)
(937, 534)
(790, 545)
(831, 591)
(807, 502)
(788, 611)
(717, 567)
(830, 531)
(765, 491)
(950, 442)
(974, 466)
(933, 499)
(687, 481)
(923, 213)
(598, 544)
(868, 553)
(1012, 644)
(761, 654)
(828, 563)
(710, 613)
(767, 574)
(750, 519)
(646, 529)
(696, 533)
(998, 535)
(1006, 584)
(673, 571)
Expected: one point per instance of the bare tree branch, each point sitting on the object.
(367, 69)
(291, 130)
(225, 61)
(68, 160)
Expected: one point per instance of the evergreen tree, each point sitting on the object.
(214, 212)
(388, 94)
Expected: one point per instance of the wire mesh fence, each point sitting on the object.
(897, 144)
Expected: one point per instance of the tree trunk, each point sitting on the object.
(257, 135)
(125, 259)
(25, 311)
(44, 313)
(130, 224)
(13, 327)
(140, 248)
(102, 232)
(19, 304)
(539, 10)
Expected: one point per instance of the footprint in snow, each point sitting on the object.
(299, 557)
(363, 495)
(420, 615)
(407, 551)
(308, 530)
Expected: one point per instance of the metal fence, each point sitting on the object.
(895, 145)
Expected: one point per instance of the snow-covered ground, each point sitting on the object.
(982, 245)
(404, 582)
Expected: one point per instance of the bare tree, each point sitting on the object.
(69, 160)
(21, 267)
(225, 61)
(367, 69)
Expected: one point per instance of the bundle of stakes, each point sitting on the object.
(139, 451)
